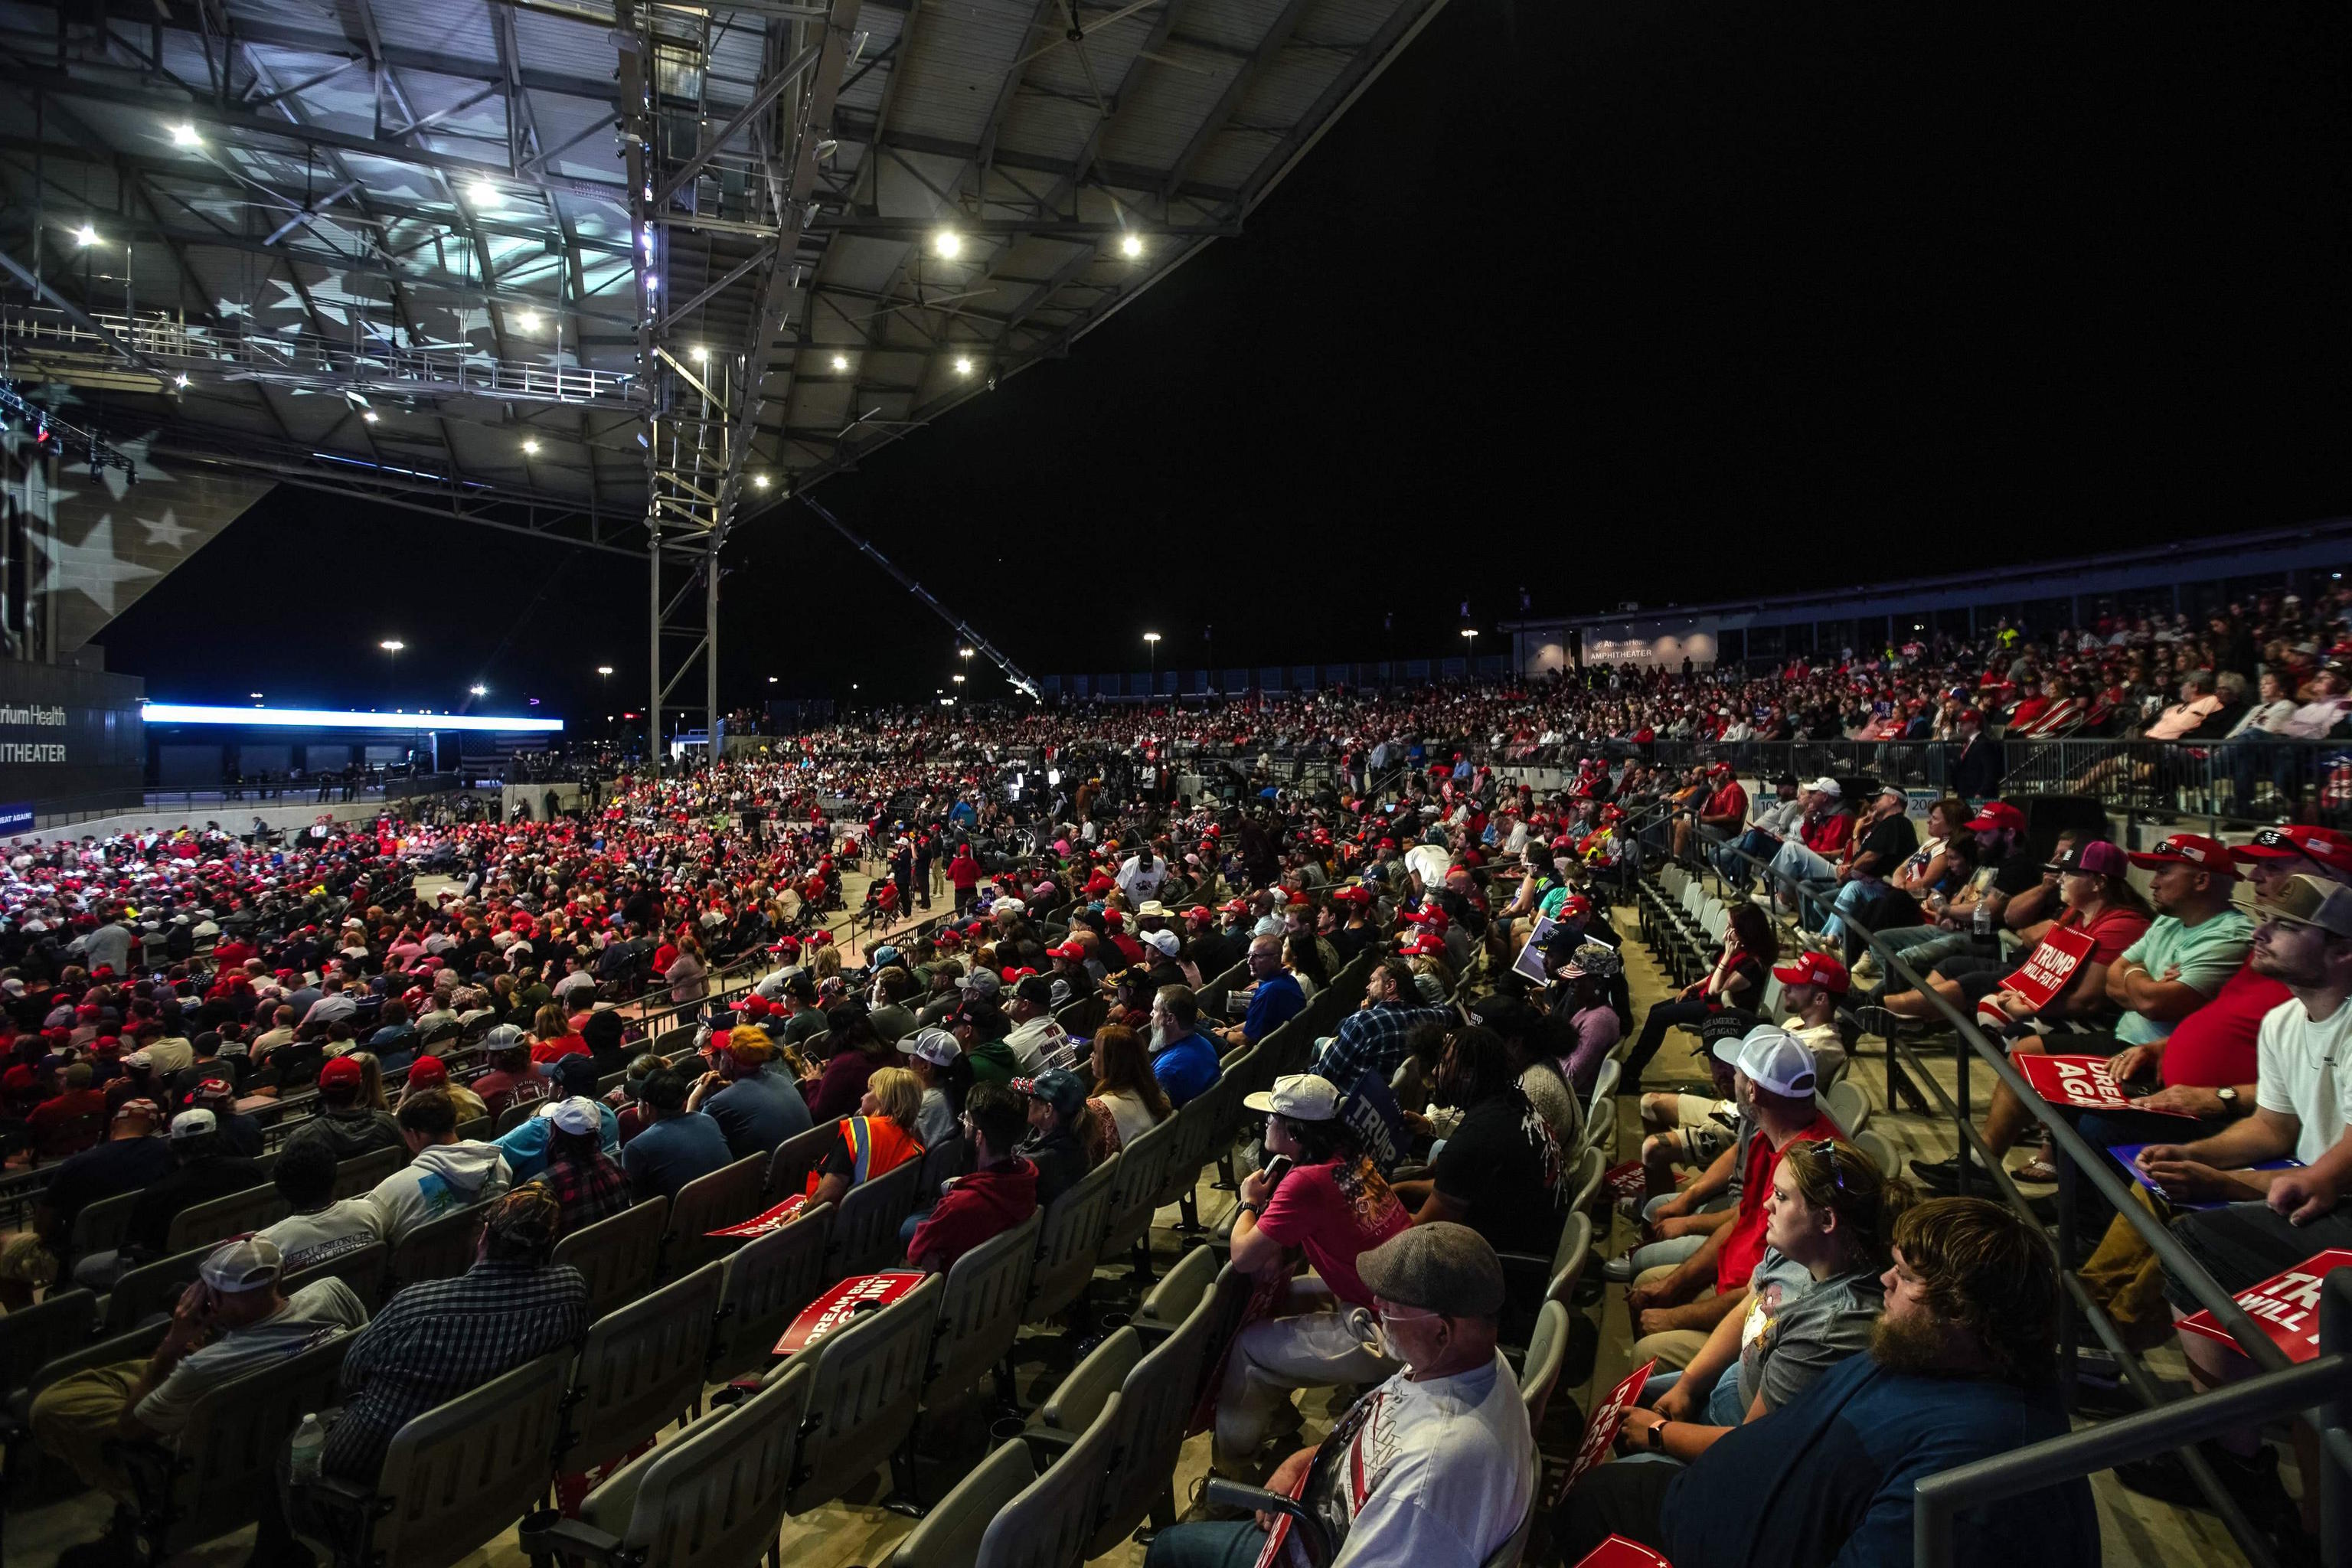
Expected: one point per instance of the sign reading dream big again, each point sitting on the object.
(70, 741)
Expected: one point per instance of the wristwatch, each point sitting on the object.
(1656, 1438)
(2230, 1100)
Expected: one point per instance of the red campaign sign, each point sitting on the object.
(776, 1218)
(1601, 1431)
(2285, 1307)
(859, 1292)
(1619, 1553)
(2051, 966)
(2083, 1082)
(1625, 1181)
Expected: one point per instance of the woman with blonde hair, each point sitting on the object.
(1829, 1229)
(879, 1138)
(552, 1035)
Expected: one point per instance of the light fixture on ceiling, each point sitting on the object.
(759, 481)
(527, 319)
(482, 194)
(948, 243)
(185, 135)
(1131, 246)
(841, 362)
(479, 691)
(963, 364)
(699, 354)
(86, 235)
(531, 448)
(368, 415)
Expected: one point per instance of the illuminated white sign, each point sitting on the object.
(330, 719)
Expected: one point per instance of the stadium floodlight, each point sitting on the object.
(531, 448)
(963, 364)
(86, 235)
(391, 645)
(479, 691)
(1131, 246)
(483, 194)
(948, 243)
(841, 362)
(527, 319)
(185, 135)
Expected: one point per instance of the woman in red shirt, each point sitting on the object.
(552, 1035)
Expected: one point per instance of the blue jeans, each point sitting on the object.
(1852, 900)
(1235, 1544)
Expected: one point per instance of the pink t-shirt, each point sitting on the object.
(1332, 1223)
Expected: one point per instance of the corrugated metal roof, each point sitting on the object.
(323, 261)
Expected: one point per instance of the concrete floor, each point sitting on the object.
(858, 1530)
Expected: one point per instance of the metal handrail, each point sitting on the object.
(2327, 1383)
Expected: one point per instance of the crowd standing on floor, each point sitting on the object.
(1825, 1335)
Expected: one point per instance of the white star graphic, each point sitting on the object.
(90, 568)
(167, 530)
(228, 308)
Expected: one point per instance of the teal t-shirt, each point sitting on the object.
(2206, 955)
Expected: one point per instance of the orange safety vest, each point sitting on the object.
(877, 1144)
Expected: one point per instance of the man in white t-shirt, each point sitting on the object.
(1141, 874)
(1433, 1468)
(2269, 1220)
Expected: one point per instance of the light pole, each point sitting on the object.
(1470, 638)
(1151, 641)
(604, 676)
(392, 646)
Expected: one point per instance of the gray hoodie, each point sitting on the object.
(443, 1179)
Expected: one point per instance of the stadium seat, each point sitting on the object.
(1546, 1348)
(1072, 1229)
(1533, 1279)
(618, 1254)
(948, 1157)
(867, 1385)
(454, 1478)
(1149, 1396)
(796, 1156)
(980, 1313)
(439, 1248)
(727, 1196)
(150, 1289)
(769, 1281)
(362, 1270)
(214, 1476)
(235, 1215)
(1600, 1110)
(866, 1231)
(1143, 1171)
(1882, 1152)
(1008, 1514)
(361, 1173)
(1844, 1103)
(713, 1499)
(639, 1369)
(1172, 1300)
(515, 1115)
(99, 1227)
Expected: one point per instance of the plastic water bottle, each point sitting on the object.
(1984, 918)
(309, 1444)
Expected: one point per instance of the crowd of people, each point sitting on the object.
(160, 991)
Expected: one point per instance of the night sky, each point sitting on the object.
(1658, 301)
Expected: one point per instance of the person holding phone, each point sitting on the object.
(1322, 1198)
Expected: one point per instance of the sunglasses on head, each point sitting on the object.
(1827, 1149)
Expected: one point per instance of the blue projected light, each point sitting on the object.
(330, 719)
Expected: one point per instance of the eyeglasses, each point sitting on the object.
(1827, 1149)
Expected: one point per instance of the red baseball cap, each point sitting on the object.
(1995, 813)
(1814, 969)
(1353, 893)
(341, 1072)
(1234, 907)
(1067, 950)
(2325, 845)
(1200, 915)
(1575, 907)
(1428, 915)
(425, 1069)
(2194, 848)
(1422, 943)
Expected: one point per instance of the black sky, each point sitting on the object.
(1647, 301)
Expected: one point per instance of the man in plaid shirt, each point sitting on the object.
(1371, 1038)
(442, 1338)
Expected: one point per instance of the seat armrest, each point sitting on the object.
(546, 1533)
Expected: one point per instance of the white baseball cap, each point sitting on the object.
(244, 1265)
(1302, 1097)
(1829, 786)
(1166, 941)
(576, 1114)
(936, 1046)
(1771, 1058)
(198, 1123)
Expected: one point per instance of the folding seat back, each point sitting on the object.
(1547, 1349)
(769, 1280)
(868, 1388)
(361, 1173)
(796, 1156)
(1144, 1170)
(1066, 1241)
(979, 1313)
(865, 1232)
(640, 1368)
(440, 1249)
(234, 1214)
(617, 1255)
(727, 1196)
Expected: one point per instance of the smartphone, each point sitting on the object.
(1276, 1169)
